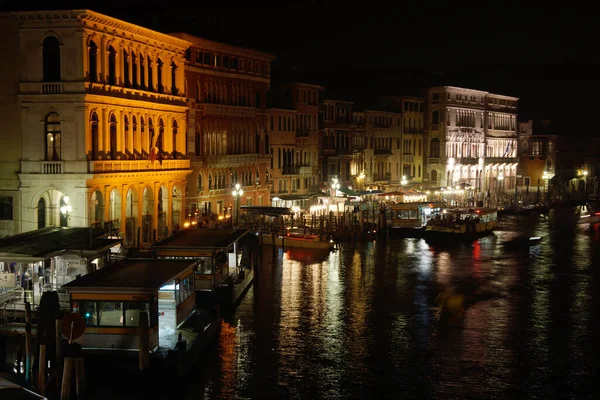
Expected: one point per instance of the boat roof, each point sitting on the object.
(200, 238)
(477, 210)
(47, 242)
(133, 274)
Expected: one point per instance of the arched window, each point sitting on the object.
(112, 66)
(134, 61)
(435, 117)
(549, 165)
(94, 136)
(128, 141)
(51, 59)
(199, 188)
(150, 134)
(267, 146)
(160, 137)
(159, 76)
(257, 143)
(257, 177)
(113, 137)
(150, 82)
(135, 139)
(41, 213)
(174, 139)
(53, 137)
(174, 79)
(434, 148)
(126, 69)
(434, 176)
(197, 92)
(93, 61)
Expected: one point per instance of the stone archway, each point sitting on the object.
(131, 214)
(114, 205)
(97, 208)
(147, 212)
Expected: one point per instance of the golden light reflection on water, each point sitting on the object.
(363, 321)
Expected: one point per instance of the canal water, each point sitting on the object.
(363, 322)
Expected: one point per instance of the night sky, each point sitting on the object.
(549, 61)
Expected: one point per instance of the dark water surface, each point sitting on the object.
(363, 322)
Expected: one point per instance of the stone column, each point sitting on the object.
(102, 61)
(169, 221)
(156, 188)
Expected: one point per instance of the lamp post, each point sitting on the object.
(66, 209)
(585, 191)
(237, 193)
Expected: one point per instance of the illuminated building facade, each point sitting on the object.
(412, 142)
(471, 140)
(337, 152)
(382, 153)
(537, 163)
(228, 142)
(358, 167)
(93, 124)
(294, 129)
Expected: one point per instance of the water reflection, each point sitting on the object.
(362, 322)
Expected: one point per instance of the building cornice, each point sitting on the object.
(219, 47)
(91, 19)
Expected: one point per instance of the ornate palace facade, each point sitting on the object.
(93, 121)
(228, 142)
(472, 140)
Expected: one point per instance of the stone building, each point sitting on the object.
(228, 141)
(294, 130)
(382, 152)
(537, 164)
(336, 153)
(93, 120)
(412, 144)
(471, 140)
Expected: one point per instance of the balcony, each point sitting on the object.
(233, 160)
(134, 94)
(408, 158)
(382, 177)
(223, 110)
(433, 160)
(306, 171)
(382, 152)
(501, 160)
(136, 165)
(54, 167)
(52, 88)
(291, 170)
(302, 133)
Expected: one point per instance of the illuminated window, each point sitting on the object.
(53, 137)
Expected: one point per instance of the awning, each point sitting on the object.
(349, 192)
(264, 210)
(291, 197)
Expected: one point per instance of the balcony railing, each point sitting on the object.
(433, 160)
(382, 177)
(302, 132)
(293, 170)
(137, 165)
(52, 88)
(382, 152)
(226, 160)
(227, 110)
(408, 158)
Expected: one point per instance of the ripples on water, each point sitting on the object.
(362, 322)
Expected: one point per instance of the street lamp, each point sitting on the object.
(545, 177)
(237, 193)
(66, 209)
(403, 182)
(585, 193)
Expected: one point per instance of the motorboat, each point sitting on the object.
(524, 241)
(297, 238)
(463, 222)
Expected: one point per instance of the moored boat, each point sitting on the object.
(464, 222)
(297, 238)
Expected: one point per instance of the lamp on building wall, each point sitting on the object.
(65, 209)
(237, 193)
(545, 177)
(361, 180)
(335, 185)
(403, 182)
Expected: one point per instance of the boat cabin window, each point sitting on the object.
(407, 214)
(110, 313)
(183, 290)
(205, 266)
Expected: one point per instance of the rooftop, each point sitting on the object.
(132, 274)
(48, 241)
(201, 238)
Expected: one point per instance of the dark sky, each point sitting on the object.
(547, 58)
